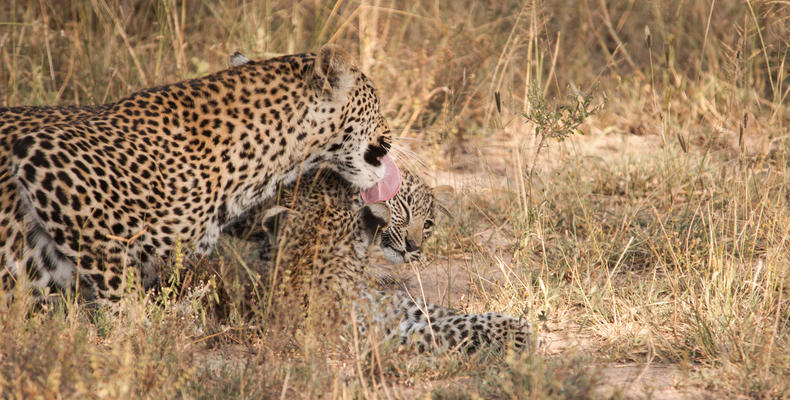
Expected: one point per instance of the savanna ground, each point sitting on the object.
(621, 171)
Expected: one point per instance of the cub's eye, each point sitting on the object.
(428, 225)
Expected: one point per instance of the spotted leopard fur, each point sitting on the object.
(121, 185)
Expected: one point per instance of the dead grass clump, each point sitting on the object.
(65, 351)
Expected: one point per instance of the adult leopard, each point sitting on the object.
(126, 183)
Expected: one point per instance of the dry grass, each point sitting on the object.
(659, 237)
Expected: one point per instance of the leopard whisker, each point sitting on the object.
(408, 159)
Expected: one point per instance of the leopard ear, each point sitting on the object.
(237, 59)
(443, 195)
(273, 220)
(332, 71)
(374, 218)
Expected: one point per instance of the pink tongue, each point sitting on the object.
(388, 186)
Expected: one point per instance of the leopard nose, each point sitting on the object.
(374, 154)
(410, 246)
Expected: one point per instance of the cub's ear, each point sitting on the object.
(374, 218)
(332, 71)
(443, 195)
(274, 219)
(237, 59)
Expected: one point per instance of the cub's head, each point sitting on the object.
(413, 217)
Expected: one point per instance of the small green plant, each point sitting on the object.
(558, 120)
(561, 120)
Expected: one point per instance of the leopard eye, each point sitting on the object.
(427, 225)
